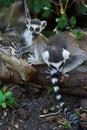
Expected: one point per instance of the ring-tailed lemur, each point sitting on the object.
(34, 40)
(54, 57)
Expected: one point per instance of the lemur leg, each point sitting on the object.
(74, 62)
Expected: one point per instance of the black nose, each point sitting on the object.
(34, 34)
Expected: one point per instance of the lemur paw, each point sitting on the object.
(31, 60)
(64, 77)
(18, 53)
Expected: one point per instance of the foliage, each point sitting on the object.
(47, 8)
(39, 5)
(62, 22)
(79, 33)
(67, 124)
(83, 9)
(6, 2)
(50, 89)
(6, 98)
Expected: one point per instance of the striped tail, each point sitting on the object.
(54, 74)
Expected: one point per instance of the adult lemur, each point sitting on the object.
(54, 56)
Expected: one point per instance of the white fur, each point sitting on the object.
(61, 104)
(12, 51)
(43, 23)
(65, 110)
(56, 88)
(66, 54)
(58, 97)
(53, 71)
(54, 80)
(45, 57)
(27, 37)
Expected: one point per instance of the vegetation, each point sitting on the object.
(6, 3)
(6, 98)
(67, 124)
(47, 8)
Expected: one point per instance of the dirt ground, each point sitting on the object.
(30, 106)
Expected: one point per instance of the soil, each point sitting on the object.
(29, 106)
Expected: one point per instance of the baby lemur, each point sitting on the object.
(34, 40)
(54, 57)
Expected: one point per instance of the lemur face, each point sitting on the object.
(35, 26)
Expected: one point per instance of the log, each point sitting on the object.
(18, 71)
(11, 68)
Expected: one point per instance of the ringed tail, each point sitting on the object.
(71, 117)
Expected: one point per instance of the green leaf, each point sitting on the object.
(11, 101)
(6, 2)
(79, 33)
(47, 3)
(62, 22)
(72, 21)
(46, 13)
(4, 105)
(50, 89)
(30, 2)
(1, 97)
(83, 9)
(8, 94)
(38, 6)
(67, 124)
(4, 89)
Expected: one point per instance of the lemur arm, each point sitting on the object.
(39, 48)
(44, 39)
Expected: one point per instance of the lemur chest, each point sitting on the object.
(27, 37)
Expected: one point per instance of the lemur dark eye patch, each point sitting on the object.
(38, 29)
(31, 29)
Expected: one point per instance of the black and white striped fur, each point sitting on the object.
(60, 56)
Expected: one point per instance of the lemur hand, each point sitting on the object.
(18, 53)
(31, 60)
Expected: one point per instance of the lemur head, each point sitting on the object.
(35, 26)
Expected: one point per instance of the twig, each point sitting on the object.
(71, 4)
(50, 114)
(66, 5)
(11, 14)
(27, 13)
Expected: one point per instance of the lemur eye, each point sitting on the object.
(31, 29)
(38, 29)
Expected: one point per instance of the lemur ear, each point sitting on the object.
(43, 24)
(27, 22)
